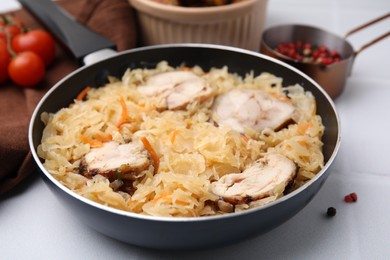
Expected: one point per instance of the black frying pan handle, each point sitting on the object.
(76, 38)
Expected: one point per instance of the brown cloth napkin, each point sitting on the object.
(113, 19)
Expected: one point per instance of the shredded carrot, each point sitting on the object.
(182, 202)
(174, 134)
(141, 104)
(304, 143)
(152, 152)
(102, 138)
(83, 93)
(303, 127)
(246, 139)
(185, 68)
(123, 117)
(157, 198)
(167, 197)
(168, 193)
(92, 142)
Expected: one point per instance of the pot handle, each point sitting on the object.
(76, 38)
(379, 38)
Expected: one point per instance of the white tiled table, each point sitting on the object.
(33, 225)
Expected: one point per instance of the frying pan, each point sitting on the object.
(183, 233)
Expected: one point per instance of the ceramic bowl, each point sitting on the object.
(239, 24)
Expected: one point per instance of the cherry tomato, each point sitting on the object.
(38, 41)
(5, 58)
(26, 69)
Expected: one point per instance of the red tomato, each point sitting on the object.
(38, 41)
(5, 58)
(26, 69)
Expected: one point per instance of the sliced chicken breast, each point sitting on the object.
(267, 177)
(175, 89)
(253, 109)
(116, 161)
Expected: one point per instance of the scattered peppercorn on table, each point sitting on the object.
(33, 225)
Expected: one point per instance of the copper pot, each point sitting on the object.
(330, 77)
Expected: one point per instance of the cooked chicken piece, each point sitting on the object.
(116, 161)
(267, 177)
(253, 109)
(175, 89)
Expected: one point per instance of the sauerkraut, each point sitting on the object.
(193, 150)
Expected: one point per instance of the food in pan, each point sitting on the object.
(184, 142)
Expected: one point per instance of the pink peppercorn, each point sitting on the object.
(352, 197)
(308, 53)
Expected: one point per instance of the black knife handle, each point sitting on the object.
(74, 37)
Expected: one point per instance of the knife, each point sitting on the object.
(85, 45)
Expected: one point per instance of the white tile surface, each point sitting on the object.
(34, 225)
